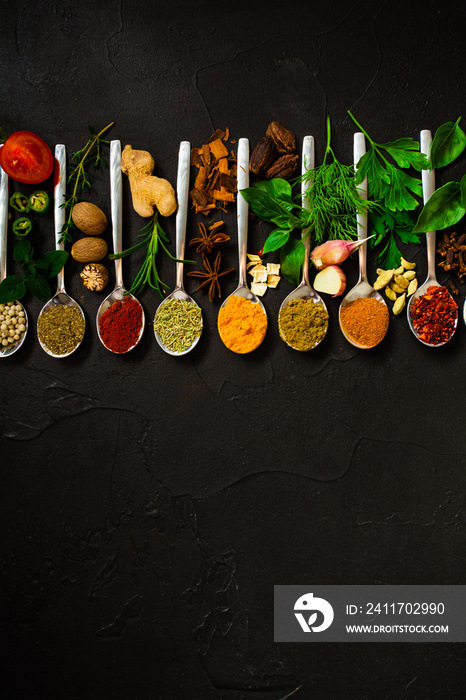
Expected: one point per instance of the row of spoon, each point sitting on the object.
(304, 290)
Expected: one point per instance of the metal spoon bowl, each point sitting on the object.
(304, 289)
(11, 348)
(181, 219)
(61, 296)
(119, 292)
(428, 188)
(362, 289)
(242, 289)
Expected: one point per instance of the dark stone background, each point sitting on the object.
(150, 503)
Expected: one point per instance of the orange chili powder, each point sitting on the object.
(241, 324)
(365, 321)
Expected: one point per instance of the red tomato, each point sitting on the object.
(25, 157)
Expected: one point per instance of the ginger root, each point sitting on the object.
(147, 189)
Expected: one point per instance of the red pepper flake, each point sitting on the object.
(434, 315)
(120, 325)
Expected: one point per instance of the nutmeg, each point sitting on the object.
(87, 250)
(95, 277)
(89, 218)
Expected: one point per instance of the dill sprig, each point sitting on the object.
(333, 198)
(82, 161)
(153, 238)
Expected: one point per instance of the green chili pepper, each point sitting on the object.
(39, 201)
(22, 226)
(19, 202)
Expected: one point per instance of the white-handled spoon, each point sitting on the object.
(362, 289)
(304, 289)
(182, 187)
(119, 292)
(11, 348)
(242, 289)
(428, 189)
(61, 296)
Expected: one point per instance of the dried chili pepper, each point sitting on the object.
(434, 315)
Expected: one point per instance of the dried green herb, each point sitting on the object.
(61, 328)
(178, 322)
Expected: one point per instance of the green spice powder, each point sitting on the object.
(302, 323)
(178, 324)
(61, 328)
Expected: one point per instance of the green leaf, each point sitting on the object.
(52, 262)
(390, 255)
(407, 159)
(23, 250)
(11, 288)
(444, 208)
(463, 191)
(398, 195)
(448, 143)
(268, 207)
(291, 260)
(276, 240)
(38, 286)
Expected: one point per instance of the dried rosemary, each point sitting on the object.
(178, 324)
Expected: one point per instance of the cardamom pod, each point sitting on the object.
(399, 305)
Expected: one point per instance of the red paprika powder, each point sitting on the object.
(121, 324)
(434, 315)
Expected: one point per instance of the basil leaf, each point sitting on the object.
(444, 208)
(38, 286)
(276, 240)
(449, 141)
(276, 187)
(291, 260)
(12, 288)
(23, 250)
(52, 262)
(268, 208)
(463, 191)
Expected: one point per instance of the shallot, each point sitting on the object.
(330, 280)
(334, 252)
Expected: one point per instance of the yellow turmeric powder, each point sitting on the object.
(242, 324)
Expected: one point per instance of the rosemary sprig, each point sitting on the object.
(154, 238)
(88, 157)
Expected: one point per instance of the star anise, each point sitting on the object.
(211, 275)
(209, 239)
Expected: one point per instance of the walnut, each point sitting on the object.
(94, 277)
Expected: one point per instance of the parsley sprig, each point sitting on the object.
(394, 190)
(87, 158)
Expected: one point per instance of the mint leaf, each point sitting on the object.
(23, 250)
(12, 288)
(51, 263)
(448, 143)
(38, 286)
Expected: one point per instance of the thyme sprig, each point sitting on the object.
(82, 161)
(153, 238)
